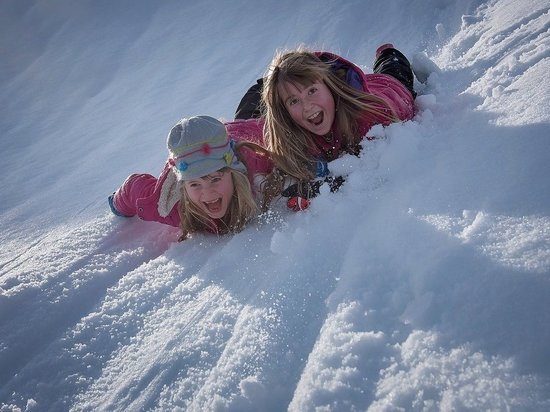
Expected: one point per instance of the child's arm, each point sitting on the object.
(149, 198)
(250, 130)
(136, 186)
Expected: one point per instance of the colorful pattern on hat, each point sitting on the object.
(199, 146)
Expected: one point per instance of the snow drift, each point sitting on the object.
(423, 284)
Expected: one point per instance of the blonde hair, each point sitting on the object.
(273, 182)
(242, 208)
(290, 143)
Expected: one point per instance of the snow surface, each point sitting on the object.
(424, 284)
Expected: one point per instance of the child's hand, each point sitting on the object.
(299, 194)
(309, 190)
(297, 203)
(334, 182)
(306, 190)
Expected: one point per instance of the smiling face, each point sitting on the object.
(211, 193)
(312, 107)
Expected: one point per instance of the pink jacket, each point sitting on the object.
(144, 195)
(392, 91)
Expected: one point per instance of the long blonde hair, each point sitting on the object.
(273, 182)
(241, 209)
(290, 143)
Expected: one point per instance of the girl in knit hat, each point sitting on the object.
(205, 186)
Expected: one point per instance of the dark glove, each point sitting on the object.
(306, 190)
(299, 194)
(309, 190)
(334, 182)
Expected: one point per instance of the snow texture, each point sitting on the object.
(422, 285)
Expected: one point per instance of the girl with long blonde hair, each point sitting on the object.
(317, 105)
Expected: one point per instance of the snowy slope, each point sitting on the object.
(423, 284)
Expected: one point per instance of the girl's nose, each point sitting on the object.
(208, 188)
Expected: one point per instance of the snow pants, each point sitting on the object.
(392, 62)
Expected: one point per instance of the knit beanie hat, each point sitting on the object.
(199, 146)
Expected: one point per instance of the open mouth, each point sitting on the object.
(316, 118)
(214, 206)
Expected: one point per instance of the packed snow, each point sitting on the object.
(423, 284)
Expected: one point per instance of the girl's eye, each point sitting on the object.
(215, 179)
(292, 101)
(194, 185)
(312, 90)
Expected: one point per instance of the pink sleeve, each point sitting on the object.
(250, 130)
(397, 97)
(136, 186)
(393, 92)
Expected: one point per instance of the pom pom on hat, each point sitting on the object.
(199, 146)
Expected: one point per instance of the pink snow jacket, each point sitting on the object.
(392, 91)
(148, 197)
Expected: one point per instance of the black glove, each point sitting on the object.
(334, 182)
(309, 190)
